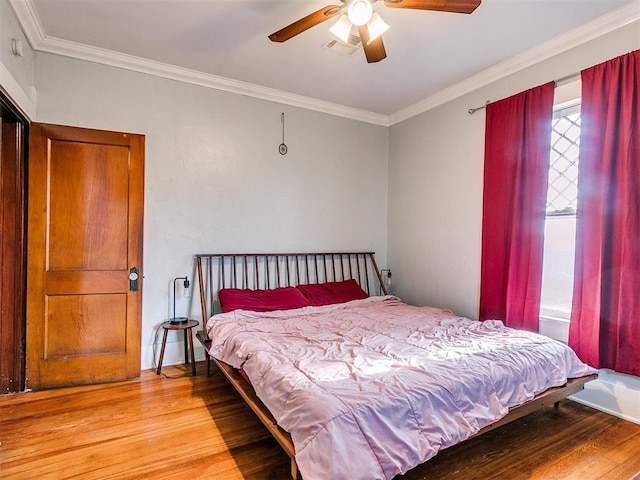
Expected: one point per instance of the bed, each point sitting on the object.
(352, 382)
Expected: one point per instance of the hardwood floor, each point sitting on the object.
(198, 427)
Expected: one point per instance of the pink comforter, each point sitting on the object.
(371, 388)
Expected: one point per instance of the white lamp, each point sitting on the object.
(360, 12)
(342, 28)
(376, 27)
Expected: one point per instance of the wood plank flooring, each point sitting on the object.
(199, 428)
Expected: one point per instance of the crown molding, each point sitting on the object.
(159, 69)
(600, 26)
(142, 65)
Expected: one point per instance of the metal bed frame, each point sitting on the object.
(272, 270)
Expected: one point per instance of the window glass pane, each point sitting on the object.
(562, 193)
(557, 269)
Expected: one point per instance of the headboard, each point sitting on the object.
(272, 270)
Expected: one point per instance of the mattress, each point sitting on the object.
(370, 388)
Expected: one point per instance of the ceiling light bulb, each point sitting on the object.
(342, 28)
(360, 12)
(376, 27)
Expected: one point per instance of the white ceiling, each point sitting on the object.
(226, 40)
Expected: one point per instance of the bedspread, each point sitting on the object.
(371, 388)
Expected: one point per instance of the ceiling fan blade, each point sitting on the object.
(305, 23)
(455, 6)
(374, 51)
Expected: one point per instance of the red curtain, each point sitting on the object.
(516, 169)
(605, 318)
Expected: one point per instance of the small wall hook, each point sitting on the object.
(282, 148)
(17, 48)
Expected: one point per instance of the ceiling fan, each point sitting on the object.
(370, 26)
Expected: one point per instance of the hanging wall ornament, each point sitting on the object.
(282, 148)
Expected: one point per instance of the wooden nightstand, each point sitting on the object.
(188, 342)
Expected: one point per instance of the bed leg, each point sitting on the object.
(206, 344)
(295, 473)
(556, 405)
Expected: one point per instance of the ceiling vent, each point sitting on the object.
(352, 47)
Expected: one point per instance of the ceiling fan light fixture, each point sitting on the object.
(376, 26)
(360, 12)
(342, 28)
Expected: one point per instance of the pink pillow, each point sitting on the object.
(332, 292)
(284, 298)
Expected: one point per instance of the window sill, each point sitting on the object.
(554, 327)
(554, 318)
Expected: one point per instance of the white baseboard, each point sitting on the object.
(613, 393)
(173, 354)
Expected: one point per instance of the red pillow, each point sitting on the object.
(284, 298)
(332, 292)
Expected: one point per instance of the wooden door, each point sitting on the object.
(85, 213)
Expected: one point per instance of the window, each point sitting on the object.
(560, 224)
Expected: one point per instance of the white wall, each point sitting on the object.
(435, 194)
(214, 179)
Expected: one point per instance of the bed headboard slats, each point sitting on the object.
(272, 270)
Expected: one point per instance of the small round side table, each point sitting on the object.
(188, 339)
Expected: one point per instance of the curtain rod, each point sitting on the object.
(557, 83)
(474, 110)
